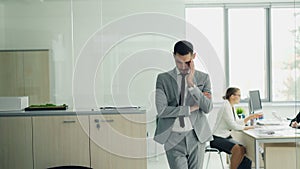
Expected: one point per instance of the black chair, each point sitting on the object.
(70, 167)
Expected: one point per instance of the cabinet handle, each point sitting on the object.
(97, 121)
(107, 121)
(69, 121)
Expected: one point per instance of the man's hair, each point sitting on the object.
(183, 47)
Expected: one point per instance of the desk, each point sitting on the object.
(252, 139)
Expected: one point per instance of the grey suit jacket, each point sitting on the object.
(167, 98)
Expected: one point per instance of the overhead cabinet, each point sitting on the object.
(25, 73)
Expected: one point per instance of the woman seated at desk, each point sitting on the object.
(227, 121)
(295, 123)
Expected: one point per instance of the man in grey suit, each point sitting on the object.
(183, 96)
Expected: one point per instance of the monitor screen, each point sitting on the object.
(254, 101)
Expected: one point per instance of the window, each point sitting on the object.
(247, 49)
(257, 44)
(284, 29)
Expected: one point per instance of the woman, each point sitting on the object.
(227, 120)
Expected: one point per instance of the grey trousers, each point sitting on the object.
(184, 151)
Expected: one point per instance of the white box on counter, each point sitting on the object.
(13, 103)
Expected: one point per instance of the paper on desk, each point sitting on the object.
(269, 130)
(281, 130)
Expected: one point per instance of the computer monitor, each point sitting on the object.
(254, 102)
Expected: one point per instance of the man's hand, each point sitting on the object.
(196, 107)
(190, 77)
(207, 94)
(193, 108)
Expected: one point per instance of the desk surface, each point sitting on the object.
(273, 132)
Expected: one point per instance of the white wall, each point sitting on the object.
(38, 25)
(116, 18)
(66, 26)
(78, 31)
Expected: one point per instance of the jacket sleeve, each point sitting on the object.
(228, 118)
(204, 103)
(161, 101)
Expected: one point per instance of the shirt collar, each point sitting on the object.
(178, 72)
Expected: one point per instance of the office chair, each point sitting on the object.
(209, 150)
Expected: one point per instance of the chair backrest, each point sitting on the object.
(209, 149)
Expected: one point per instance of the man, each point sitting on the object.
(295, 123)
(183, 95)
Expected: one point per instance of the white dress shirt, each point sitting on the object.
(226, 122)
(188, 125)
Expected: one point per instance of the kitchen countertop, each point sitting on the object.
(67, 112)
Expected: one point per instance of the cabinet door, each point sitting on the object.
(99, 141)
(36, 76)
(16, 143)
(118, 141)
(11, 74)
(25, 73)
(60, 140)
(282, 155)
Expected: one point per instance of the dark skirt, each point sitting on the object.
(223, 144)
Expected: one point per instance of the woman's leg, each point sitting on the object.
(237, 156)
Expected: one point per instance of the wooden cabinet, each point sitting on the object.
(25, 73)
(282, 155)
(118, 141)
(16, 143)
(110, 141)
(60, 140)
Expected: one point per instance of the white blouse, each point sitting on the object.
(226, 122)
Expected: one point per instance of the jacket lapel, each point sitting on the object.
(173, 81)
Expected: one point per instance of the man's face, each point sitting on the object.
(183, 62)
